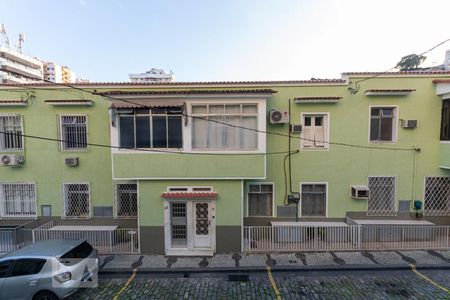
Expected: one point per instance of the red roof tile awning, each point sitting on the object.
(190, 195)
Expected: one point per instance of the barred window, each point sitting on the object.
(126, 200)
(381, 196)
(17, 200)
(73, 133)
(260, 200)
(437, 196)
(76, 200)
(11, 132)
(314, 200)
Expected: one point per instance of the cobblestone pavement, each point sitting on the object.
(373, 285)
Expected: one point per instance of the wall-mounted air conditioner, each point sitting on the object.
(296, 128)
(409, 124)
(359, 191)
(12, 160)
(278, 116)
(72, 161)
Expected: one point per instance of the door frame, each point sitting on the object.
(190, 250)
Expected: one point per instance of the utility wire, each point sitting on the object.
(137, 149)
(387, 71)
(227, 124)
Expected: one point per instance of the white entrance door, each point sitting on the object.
(202, 220)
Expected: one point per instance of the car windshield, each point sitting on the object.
(76, 254)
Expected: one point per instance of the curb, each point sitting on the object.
(330, 268)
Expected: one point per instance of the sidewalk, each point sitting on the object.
(308, 261)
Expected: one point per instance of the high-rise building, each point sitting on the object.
(18, 68)
(59, 74)
(154, 75)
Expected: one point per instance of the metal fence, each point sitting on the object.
(118, 241)
(344, 238)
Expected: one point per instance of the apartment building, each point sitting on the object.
(16, 67)
(192, 166)
(58, 74)
(154, 75)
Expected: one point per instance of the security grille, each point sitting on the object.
(178, 224)
(17, 200)
(201, 219)
(126, 200)
(76, 200)
(382, 196)
(437, 196)
(73, 133)
(11, 132)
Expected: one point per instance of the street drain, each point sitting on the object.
(238, 277)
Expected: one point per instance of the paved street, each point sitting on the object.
(292, 285)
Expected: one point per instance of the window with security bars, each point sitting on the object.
(126, 200)
(11, 132)
(437, 196)
(17, 200)
(73, 132)
(76, 200)
(314, 200)
(260, 200)
(381, 196)
(178, 222)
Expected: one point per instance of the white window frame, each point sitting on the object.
(301, 200)
(208, 114)
(33, 202)
(116, 203)
(272, 215)
(326, 130)
(60, 128)
(22, 137)
(63, 206)
(394, 124)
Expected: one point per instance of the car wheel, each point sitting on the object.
(45, 295)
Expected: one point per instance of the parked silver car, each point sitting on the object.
(49, 270)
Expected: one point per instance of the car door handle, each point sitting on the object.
(32, 282)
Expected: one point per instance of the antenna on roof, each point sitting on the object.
(5, 36)
(20, 41)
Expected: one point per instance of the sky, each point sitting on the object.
(105, 40)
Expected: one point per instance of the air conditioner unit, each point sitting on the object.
(296, 128)
(409, 124)
(12, 160)
(278, 116)
(360, 191)
(72, 161)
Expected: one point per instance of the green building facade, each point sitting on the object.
(191, 164)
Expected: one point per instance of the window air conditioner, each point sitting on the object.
(409, 124)
(359, 192)
(72, 161)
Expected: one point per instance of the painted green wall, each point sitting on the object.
(228, 202)
(44, 162)
(188, 166)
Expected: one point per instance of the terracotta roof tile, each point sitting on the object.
(191, 92)
(189, 195)
(399, 73)
(441, 81)
(68, 101)
(331, 98)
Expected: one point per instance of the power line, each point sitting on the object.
(138, 149)
(384, 72)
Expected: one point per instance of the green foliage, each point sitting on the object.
(410, 62)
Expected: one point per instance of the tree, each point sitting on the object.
(410, 62)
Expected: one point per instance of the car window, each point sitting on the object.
(79, 252)
(27, 267)
(4, 267)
